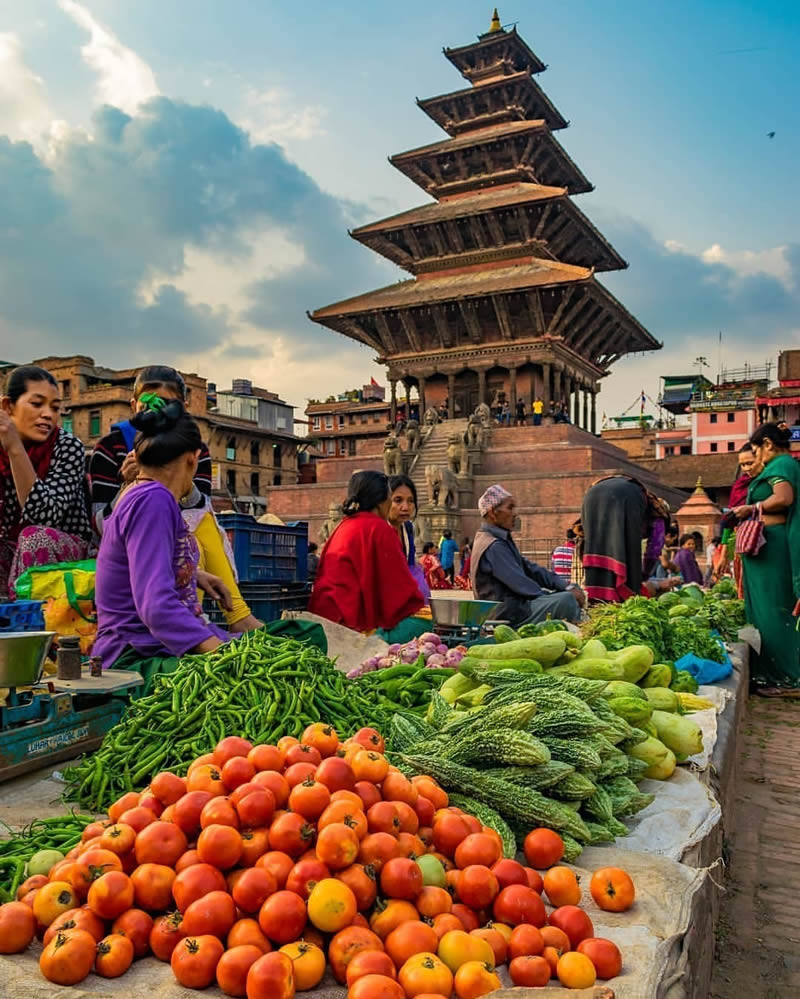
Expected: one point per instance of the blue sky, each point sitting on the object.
(198, 220)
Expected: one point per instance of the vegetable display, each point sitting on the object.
(427, 650)
(20, 848)
(261, 877)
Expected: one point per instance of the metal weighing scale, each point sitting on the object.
(463, 621)
(53, 720)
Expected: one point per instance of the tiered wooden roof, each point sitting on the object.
(503, 255)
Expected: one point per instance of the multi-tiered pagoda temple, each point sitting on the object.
(504, 302)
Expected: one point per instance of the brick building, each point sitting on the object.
(249, 431)
(341, 427)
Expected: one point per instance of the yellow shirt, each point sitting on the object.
(538, 407)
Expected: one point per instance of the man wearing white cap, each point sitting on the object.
(499, 572)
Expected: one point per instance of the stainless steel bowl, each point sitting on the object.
(22, 656)
(468, 613)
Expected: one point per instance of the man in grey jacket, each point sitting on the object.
(526, 591)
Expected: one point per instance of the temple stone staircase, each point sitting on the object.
(433, 451)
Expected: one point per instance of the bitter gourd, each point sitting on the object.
(579, 753)
(500, 745)
(575, 787)
(538, 778)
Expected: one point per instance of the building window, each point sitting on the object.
(343, 447)
(230, 479)
(364, 417)
(230, 449)
(277, 479)
(316, 423)
(94, 423)
(276, 456)
(376, 417)
(330, 446)
(731, 417)
(714, 447)
(341, 420)
(686, 449)
(329, 422)
(351, 447)
(712, 418)
(255, 457)
(66, 422)
(255, 484)
(66, 388)
(352, 419)
(731, 446)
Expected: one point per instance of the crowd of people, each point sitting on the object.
(145, 509)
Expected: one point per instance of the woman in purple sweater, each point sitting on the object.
(686, 561)
(148, 611)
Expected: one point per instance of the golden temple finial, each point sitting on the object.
(495, 25)
(699, 487)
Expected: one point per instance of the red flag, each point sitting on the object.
(374, 383)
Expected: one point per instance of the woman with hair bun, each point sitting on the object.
(43, 510)
(147, 567)
(363, 580)
(772, 576)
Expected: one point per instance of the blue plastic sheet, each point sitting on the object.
(706, 670)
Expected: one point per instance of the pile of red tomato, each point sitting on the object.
(266, 865)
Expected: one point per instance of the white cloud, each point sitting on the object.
(124, 79)
(24, 109)
(749, 262)
(271, 116)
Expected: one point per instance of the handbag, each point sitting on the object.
(66, 590)
(750, 535)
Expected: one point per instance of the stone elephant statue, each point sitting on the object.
(442, 486)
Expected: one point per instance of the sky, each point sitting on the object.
(177, 179)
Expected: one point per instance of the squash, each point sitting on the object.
(636, 660)
(621, 688)
(663, 699)
(659, 675)
(683, 736)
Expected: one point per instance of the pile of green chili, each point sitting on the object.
(260, 687)
(61, 833)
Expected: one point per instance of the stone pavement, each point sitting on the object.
(758, 935)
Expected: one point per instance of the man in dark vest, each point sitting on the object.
(526, 591)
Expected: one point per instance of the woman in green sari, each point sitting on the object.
(772, 577)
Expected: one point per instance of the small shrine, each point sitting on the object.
(699, 513)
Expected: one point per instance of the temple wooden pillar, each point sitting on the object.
(481, 386)
(393, 410)
(512, 393)
(451, 396)
(546, 397)
(585, 423)
(421, 391)
(567, 381)
(594, 411)
(558, 387)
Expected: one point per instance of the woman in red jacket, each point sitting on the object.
(363, 581)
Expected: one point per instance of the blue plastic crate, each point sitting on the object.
(22, 615)
(267, 601)
(266, 553)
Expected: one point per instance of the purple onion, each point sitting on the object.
(453, 657)
(409, 655)
(357, 671)
(397, 647)
(442, 649)
(435, 660)
(429, 636)
(427, 649)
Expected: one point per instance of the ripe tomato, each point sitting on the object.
(201, 761)
(114, 956)
(257, 808)
(604, 955)
(409, 846)
(31, 884)
(286, 742)
(409, 939)
(308, 963)
(331, 905)
(301, 753)
(91, 865)
(271, 977)
(433, 901)
(384, 817)
(220, 846)
(322, 737)
(543, 848)
(337, 846)
(151, 803)
(466, 916)
(357, 805)
(552, 956)
(458, 947)
(243, 790)
(165, 934)
(554, 937)
(309, 799)
(282, 917)
(401, 878)
(475, 979)
(336, 774)
(362, 882)
(449, 830)
(117, 838)
(425, 811)
(376, 987)
(477, 886)
(525, 940)
(477, 848)
(612, 889)
(496, 941)
(219, 812)
(188, 810)
(562, 886)
(206, 778)
(194, 960)
(253, 888)
(255, 843)
(76, 919)
(376, 849)
(343, 811)
(370, 738)
(509, 872)
(290, 833)
(68, 958)
(397, 787)
(53, 899)
(428, 788)
(368, 793)
(278, 864)
(346, 944)
(129, 800)
(160, 843)
(152, 886)
(266, 757)
(214, 914)
(518, 904)
(370, 962)
(17, 927)
(168, 787)
(233, 967)
(276, 783)
(388, 915)
(369, 766)
(236, 771)
(304, 875)
(247, 931)
(445, 922)
(576, 971)
(530, 971)
(194, 882)
(574, 922)
(94, 830)
(535, 880)
(137, 926)
(226, 749)
(424, 973)
(409, 820)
